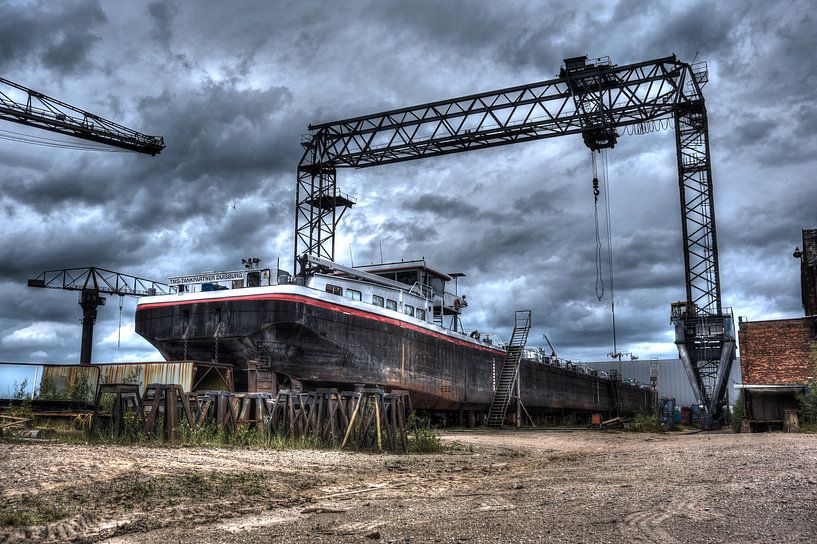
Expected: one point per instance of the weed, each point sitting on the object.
(808, 407)
(27, 510)
(737, 415)
(422, 438)
(645, 423)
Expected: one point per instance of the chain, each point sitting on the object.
(184, 337)
(219, 330)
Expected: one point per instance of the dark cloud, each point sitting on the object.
(58, 35)
(162, 14)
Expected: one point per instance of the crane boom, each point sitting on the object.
(591, 98)
(99, 279)
(92, 282)
(42, 111)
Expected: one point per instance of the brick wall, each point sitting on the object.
(778, 352)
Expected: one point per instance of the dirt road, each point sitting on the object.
(528, 486)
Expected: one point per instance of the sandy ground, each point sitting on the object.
(526, 486)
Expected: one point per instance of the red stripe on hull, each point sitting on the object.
(329, 306)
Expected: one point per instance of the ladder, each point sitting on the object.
(509, 371)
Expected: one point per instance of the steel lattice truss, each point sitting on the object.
(591, 99)
(98, 279)
(25, 106)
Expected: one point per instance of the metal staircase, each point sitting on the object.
(509, 371)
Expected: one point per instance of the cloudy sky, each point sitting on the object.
(232, 86)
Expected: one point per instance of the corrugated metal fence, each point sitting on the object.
(672, 378)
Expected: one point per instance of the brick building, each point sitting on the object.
(779, 356)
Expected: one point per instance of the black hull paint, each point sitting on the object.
(319, 346)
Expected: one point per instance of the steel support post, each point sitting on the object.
(89, 300)
(704, 333)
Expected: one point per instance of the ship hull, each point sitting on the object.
(292, 335)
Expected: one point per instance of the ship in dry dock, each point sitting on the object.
(397, 325)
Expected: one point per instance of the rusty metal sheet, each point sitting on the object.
(68, 382)
(170, 372)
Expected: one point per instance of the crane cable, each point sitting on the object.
(119, 330)
(599, 279)
(53, 142)
(605, 184)
(610, 248)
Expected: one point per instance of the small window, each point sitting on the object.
(408, 310)
(353, 295)
(421, 314)
(391, 304)
(377, 300)
(334, 289)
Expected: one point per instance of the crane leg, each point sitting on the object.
(89, 300)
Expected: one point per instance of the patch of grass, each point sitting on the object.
(28, 510)
(424, 440)
(645, 423)
(457, 447)
(808, 427)
(130, 491)
(207, 436)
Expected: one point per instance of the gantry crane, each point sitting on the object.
(35, 109)
(591, 98)
(93, 282)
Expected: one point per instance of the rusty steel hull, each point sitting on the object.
(318, 345)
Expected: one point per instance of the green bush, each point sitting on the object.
(645, 423)
(808, 405)
(738, 412)
(21, 390)
(422, 438)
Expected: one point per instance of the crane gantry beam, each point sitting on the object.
(19, 104)
(593, 99)
(633, 94)
(93, 282)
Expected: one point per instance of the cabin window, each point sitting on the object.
(352, 294)
(377, 300)
(408, 310)
(421, 314)
(334, 289)
(391, 304)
